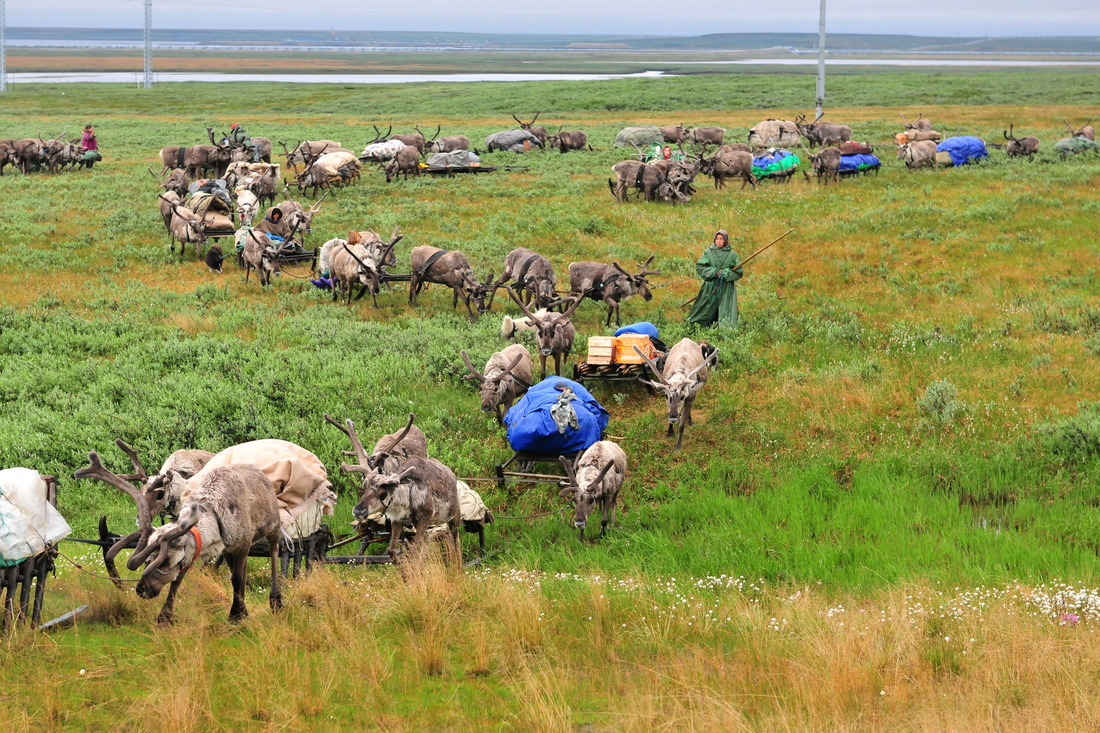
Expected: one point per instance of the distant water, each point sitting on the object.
(129, 77)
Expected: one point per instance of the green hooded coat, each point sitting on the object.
(717, 299)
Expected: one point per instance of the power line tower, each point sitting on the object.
(3, 50)
(149, 43)
(821, 63)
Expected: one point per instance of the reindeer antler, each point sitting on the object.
(349, 430)
(474, 373)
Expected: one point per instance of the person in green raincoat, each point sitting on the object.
(720, 271)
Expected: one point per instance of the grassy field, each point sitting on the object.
(881, 519)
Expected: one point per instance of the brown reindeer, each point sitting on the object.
(685, 373)
(534, 276)
(554, 335)
(1086, 131)
(405, 162)
(568, 140)
(610, 284)
(537, 130)
(1020, 146)
(595, 482)
(729, 163)
(436, 265)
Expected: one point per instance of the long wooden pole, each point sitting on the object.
(745, 261)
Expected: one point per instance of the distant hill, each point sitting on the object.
(838, 42)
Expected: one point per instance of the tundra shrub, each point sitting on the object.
(939, 405)
(1076, 438)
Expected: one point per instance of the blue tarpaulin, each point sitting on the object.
(774, 163)
(531, 428)
(644, 327)
(963, 149)
(858, 162)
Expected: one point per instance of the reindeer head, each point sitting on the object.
(637, 284)
(379, 489)
(176, 549)
(494, 388)
(584, 490)
(526, 125)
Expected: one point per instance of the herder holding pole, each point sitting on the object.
(720, 268)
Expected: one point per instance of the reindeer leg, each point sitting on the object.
(680, 435)
(276, 596)
(239, 569)
(414, 286)
(542, 364)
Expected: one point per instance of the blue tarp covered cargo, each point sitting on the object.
(644, 327)
(531, 428)
(858, 162)
(963, 149)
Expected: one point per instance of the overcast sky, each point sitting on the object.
(645, 17)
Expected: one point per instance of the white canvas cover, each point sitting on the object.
(27, 521)
(301, 481)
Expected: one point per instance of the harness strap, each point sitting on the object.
(432, 260)
(521, 277)
(179, 156)
(638, 179)
(198, 548)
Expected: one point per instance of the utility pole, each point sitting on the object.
(3, 50)
(149, 43)
(821, 63)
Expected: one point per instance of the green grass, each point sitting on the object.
(907, 400)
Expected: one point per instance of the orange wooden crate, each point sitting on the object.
(624, 348)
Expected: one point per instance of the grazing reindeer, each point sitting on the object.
(686, 371)
(445, 267)
(554, 333)
(595, 482)
(706, 136)
(1028, 146)
(507, 376)
(609, 283)
(414, 139)
(651, 180)
(674, 133)
(537, 130)
(922, 123)
(231, 508)
(534, 276)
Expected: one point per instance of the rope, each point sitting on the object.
(80, 567)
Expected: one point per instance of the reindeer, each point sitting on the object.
(686, 371)
(650, 180)
(826, 165)
(176, 181)
(1028, 146)
(919, 154)
(537, 130)
(449, 144)
(674, 133)
(167, 203)
(922, 123)
(706, 136)
(415, 139)
(196, 159)
(264, 187)
(259, 254)
(445, 267)
(822, 133)
(506, 377)
(554, 333)
(300, 219)
(404, 162)
(184, 227)
(595, 482)
(247, 207)
(534, 276)
(159, 494)
(729, 163)
(309, 150)
(390, 451)
(609, 283)
(357, 262)
(229, 510)
(568, 140)
(1086, 130)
